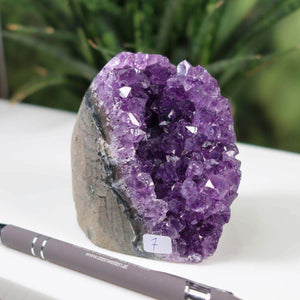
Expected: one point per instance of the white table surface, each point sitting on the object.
(258, 255)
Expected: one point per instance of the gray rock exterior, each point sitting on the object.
(103, 213)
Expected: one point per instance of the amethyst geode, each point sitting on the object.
(153, 151)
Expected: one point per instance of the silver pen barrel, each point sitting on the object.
(155, 284)
(197, 291)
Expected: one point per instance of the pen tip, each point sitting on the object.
(217, 294)
(2, 226)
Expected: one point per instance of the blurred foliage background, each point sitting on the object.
(54, 48)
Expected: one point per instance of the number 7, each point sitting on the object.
(154, 240)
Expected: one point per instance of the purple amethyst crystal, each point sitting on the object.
(167, 135)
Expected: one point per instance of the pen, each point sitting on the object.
(152, 283)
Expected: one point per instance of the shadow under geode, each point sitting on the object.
(264, 228)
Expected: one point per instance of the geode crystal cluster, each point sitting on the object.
(153, 152)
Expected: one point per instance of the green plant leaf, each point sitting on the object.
(44, 32)
(32, 87)
(166, 24)
(282, 10)
(148, 24)
(261, 18)
(107, 6)
(268, 60)
(223, 65)
(250, 66)
(55, 13)
(74, 66)
(137, 22)
(76, 9)
(106, 53)
(84, 47)
(202, 49)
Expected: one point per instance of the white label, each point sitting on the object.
(157, 243)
